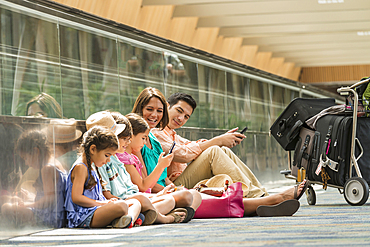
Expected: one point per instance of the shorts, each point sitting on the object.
(87, 221)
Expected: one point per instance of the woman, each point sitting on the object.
(151, 105)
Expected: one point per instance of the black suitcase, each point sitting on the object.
(303, 151)
(287, 126)
(331, 158)
(363, 135)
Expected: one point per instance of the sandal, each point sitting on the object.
(297, 197)
(285, 208)
(190, 214)
(140, 219)
(149, 217)
(123, 222)
(176, 216)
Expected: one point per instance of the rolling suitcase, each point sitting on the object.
(287, 126)
(331, 158)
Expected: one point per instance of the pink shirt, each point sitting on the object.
(131, 159)
(185, 151)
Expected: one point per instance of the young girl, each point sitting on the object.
(85, 204)
(140, 130)
(47, 207)
(119, 184)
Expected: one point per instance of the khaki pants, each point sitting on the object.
(215, 160)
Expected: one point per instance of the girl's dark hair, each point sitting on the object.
(138, 124)
(120, 119)
(27, 143)
(143, 100)
(102, 138)
(47, 104)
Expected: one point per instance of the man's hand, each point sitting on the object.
(230, 139)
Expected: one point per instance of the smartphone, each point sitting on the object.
(172, 146)
(244, 130)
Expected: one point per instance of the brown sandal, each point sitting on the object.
(150, 217)
(176, 216)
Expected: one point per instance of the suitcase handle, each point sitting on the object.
(302, 151)
(294, 131)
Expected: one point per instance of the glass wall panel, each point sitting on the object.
(259, 102)
(238, 101)
(139, 62)
(180, 72)
(30, 63)
(130, 89)
(35, 161)
(89, 72)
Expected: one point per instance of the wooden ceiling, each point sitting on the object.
(278, 36)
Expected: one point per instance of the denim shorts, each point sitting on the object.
(87, 221)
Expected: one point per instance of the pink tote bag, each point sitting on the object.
(229, 205)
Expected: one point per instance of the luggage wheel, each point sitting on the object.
(356, 191)
(310, 195)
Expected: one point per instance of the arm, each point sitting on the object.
(157, 187)
(185, 151)
(79, 176)
(229, 139)
(109, 195)
(148, 182)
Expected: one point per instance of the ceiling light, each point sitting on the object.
(330, 1)
(363, 33)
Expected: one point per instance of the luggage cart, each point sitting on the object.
(355, 189)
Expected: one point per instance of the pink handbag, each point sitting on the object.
(229, 205)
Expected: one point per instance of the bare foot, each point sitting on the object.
(289, 194)
(179, 218)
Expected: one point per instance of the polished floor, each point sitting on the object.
(331, 222)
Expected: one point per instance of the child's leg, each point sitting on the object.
(134, 208)
(197, 199)
(183, 198)
(104, 215)
(146, 204)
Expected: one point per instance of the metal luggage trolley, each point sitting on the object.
(355, 189)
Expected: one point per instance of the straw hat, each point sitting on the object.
(63, 131)
(105, 119)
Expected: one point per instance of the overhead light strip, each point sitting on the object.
(330, 1)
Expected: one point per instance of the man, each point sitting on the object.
(206, 157)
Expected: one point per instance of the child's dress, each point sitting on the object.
(131, 159)
(75, 213)
(53, 215)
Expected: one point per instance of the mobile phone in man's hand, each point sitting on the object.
(244, 130)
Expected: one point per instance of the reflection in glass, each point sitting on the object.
(180, 72)
(239, 101)
(40, 198)
(34, 67)
(139, 62)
